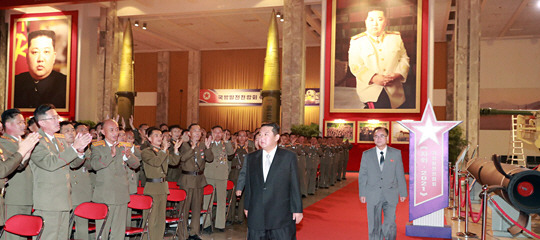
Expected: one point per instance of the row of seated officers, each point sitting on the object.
(54, 166)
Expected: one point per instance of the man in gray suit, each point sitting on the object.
(380, 180)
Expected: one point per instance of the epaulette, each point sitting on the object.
(8, 138)
(125, 144)
(393, 32)
(357, 36)
(98, 143)
(59, 135)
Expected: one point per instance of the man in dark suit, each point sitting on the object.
(273, 202)
(380, 180)
(41, 83)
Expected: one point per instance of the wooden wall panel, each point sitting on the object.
(440, 62)
(178, 72)
(440, 112)
(145, 72)
(313, 67)
(144, 114)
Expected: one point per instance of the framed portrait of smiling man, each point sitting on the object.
(43, 61)
(376, 56)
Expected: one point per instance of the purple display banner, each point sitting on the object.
(428, 165)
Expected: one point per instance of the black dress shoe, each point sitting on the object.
(220, 229)
(239, 222)
(207, 230)
(343, 178)
(229, 223)
(194, 237)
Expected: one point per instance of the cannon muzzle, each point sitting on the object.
(520, 186)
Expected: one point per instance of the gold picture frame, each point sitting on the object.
(347, 21)
(399, 134)
(365, 130)
(338, 128)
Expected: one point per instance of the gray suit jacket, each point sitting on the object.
(386, 185)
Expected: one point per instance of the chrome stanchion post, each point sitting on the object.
(484, 210)
(457, 187)
(466, 233)
(450, 195)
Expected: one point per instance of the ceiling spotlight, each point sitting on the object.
(538, 4)
(281, 19)
(278, 14)
(136, 23)
(144, 26)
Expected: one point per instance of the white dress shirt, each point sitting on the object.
(268, 157)
(379, 156)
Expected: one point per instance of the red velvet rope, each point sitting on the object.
(512, 220)
(536, 167)
(471, 213)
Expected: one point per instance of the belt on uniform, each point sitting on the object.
(236, 167)
(155, 180)
(192, 173)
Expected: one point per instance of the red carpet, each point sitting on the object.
(342, 216)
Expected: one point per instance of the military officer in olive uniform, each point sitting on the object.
(14, 153)
(194, 155)
(174, 171)
(132, 173)
(313, 153)
(50, 165)
(324, 176)
(379, 61)
(217, 174)
(331, 177)
(242, 149)
(81, 186)
(298, 148)
(156, 160)
(340, 157)
(109, 159)
(346, 148)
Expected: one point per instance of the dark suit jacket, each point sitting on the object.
(29, 94)
(271, 204)
(386, 185)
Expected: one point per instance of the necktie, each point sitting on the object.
(382, 160)
(266, 165)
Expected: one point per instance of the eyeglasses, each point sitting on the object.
(379, 136)
(55, 117)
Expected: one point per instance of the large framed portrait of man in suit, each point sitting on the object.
(43, 61)
(376, 49)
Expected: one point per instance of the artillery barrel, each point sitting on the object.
(492, 111)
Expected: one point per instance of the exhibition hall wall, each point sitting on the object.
(510, 79)
(220, 69)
